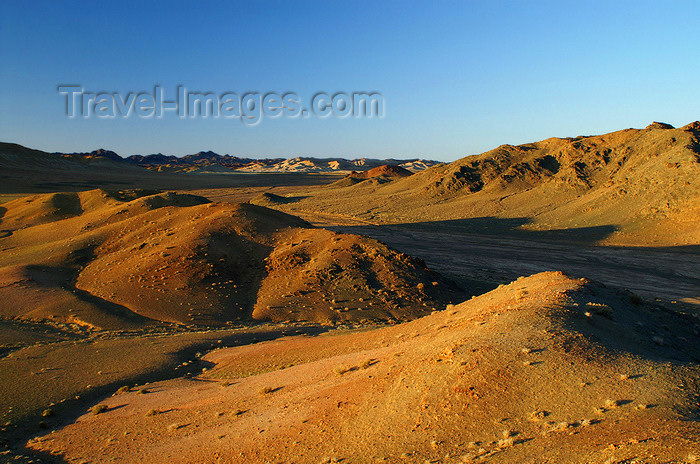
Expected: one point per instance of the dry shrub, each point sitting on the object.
(99, 409)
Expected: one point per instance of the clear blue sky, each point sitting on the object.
(458, 78)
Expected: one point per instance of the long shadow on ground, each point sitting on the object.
(482, 253)
(30, 424)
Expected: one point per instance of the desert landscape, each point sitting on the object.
(374, 315)
(357, 232)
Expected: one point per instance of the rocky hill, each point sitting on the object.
(204, 160)
(384, 170)
(641, 182)
(15, 158)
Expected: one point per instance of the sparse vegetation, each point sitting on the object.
(561, 426)
(99, 409)
(601, 309)
(538, 415)
(340, 370)
(611, 404)
(506, 442)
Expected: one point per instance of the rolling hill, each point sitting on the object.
(127, 258)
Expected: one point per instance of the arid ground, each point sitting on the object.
(537, 303)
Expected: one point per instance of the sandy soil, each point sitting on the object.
(546, 369)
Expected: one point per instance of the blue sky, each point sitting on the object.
(458, 78)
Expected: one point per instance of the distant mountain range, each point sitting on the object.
(208, 161)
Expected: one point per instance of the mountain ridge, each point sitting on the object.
(642, 182)
(203, 159)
